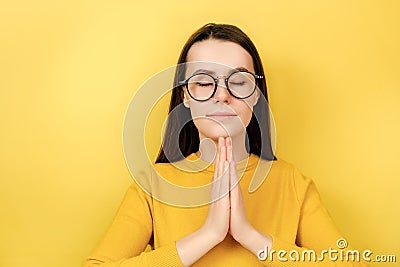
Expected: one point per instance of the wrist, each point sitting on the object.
(245, 235)
(255, 241)
(192, 247)
(211, 236)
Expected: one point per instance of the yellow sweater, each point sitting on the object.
(286, 206)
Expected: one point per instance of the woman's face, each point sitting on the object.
(223, 114)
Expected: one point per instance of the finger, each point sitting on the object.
(223, 145)
(222, 168)
(221, 155)
(233, 173)
(229, 149)
(224, 188)
(215, 187)
(234, 182)
(217, 159)
(219, 167)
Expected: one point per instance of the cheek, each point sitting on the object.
(198, 110)
(246, 112)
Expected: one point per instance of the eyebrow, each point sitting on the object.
(214, 73)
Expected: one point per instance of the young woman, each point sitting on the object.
(221, 88)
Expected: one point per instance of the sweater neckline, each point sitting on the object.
(201, 165)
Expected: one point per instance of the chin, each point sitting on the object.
(214, 130)
(218, 131)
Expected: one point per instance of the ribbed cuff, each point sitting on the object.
(165, 256)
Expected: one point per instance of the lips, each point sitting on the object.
(221, 115)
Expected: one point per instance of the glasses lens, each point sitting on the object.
(201, 86)
(242, 84)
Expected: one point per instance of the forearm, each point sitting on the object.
(194, 246)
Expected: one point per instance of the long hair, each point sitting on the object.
(181, 136)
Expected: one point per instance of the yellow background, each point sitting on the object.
(68, 70)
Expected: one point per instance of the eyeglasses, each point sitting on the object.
(202, 86)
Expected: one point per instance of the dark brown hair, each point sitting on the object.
(181, 136)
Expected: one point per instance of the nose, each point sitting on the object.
(222, 94)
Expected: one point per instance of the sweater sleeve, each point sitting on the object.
(316, 232)
(129, 234)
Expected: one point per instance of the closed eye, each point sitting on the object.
(238, 83)
(204, 84)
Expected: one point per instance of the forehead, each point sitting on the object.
(218, 56)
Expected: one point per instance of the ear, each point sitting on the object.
(185, 98)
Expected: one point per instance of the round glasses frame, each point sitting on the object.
(216, 79)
